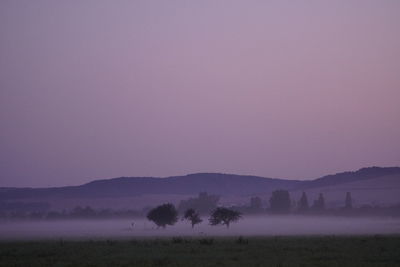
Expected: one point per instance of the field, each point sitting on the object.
(376, 250)
(247, 226)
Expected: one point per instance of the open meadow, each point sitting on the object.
(252, 241)
(288, 225)
(211, 251)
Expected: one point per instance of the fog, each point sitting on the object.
(249, 226)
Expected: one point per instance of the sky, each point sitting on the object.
(285, 89)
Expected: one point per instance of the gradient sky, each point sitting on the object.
(288, 89)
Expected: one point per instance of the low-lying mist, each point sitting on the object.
(247, 226)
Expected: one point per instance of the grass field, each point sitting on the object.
(263, 251)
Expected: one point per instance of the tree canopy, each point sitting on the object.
(163, 215)
(319, 204)
(224, 216)
(303, 203)
(348, 201)
(280, 201)
(203, 204)
(192, 216)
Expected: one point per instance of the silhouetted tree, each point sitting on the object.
(203, 204)
(163, 215)
(319, 204)
(349, 201)
(303, 203)
(224, 216)
(280, 201)
(192, 216)
(255, 203)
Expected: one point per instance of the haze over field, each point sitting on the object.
(249, 226)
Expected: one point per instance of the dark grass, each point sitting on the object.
(182, 251)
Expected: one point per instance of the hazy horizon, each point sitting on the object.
(294, 90)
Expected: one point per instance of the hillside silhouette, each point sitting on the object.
(214, 183)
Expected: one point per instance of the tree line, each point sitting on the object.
(280, 202)
(167, 214)
(78, 212)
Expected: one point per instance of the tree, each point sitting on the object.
(349, 201)
(163, 215)
(224, 216)
(280, 201)
(303, 203)
(192, 216)
(255, 203)
(203, 204)
(319, 204)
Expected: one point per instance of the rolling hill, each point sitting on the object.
(372, 181)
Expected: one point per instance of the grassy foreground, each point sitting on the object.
(262, 251)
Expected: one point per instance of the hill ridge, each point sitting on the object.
(216, 183)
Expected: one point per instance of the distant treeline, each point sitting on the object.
(76, 213)
(280, 202)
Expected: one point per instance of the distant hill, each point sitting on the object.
(214, 183)
(382, 190)
(347, 177)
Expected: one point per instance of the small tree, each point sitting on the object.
(303, 203)
(224, 216)
(255, 203)
(349, 201)
(280, 201)
(192, 216)
(163, 215)
(319, 204)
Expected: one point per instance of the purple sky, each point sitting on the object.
(289, 89)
